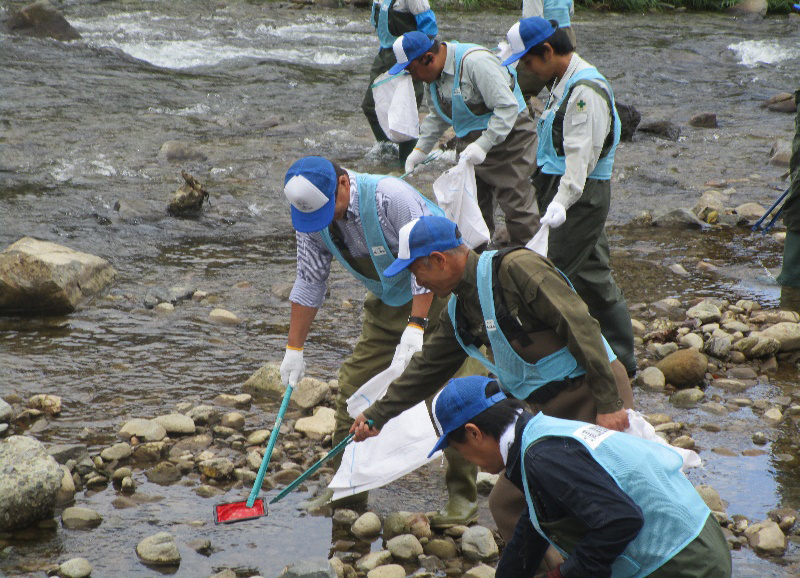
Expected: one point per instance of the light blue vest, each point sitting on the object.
(464, 121)
(558, 10)
(546, 156)
(649, 473)
(382, 25)
(394, 291)
(516, 375)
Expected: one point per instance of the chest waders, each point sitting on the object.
(463, 120)
(649, 473)
(394, 291)
(517, 376)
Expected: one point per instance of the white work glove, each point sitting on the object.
(414, 159)
(293, 368)
(555, 215)
(410, 343)
(473, 154)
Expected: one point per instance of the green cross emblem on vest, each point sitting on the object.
(581, 105)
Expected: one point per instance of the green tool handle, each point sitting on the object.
(336, 450)
(431, 157)
(273, 437)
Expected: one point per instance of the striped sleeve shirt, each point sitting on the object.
(397, 203)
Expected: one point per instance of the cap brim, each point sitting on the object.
(398, 67)
(440, 445)
(314, 221)
(398, 266)
(514, 57)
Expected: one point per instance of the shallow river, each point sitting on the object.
(255, 86)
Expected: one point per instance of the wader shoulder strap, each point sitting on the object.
(510, 327)
(558, 121)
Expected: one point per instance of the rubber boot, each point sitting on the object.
(615, 323)
(405, 149)
(461, 508)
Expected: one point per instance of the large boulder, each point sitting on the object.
(41, 20)
(265, 381)
(30, 480)
(684, 368)
(42, 277)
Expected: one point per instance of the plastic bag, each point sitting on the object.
(402, 446)
(641, 428)
(396, 106)
(456, 194)
(540, 240)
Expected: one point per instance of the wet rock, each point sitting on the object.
(714, 408)
(226, 573)
(41, 277)
(766, 537)
(786, 333)
(242, 400)
(662, 128)
(367, 526)
(164, 474)
(309, 392)
(678, 218)
(705, 312)
(704, 120)
(735, 385)
(159, 550)
(684, 368)
(486, 481)
(201, 546)
(707, 267)
(216, 468)
(267, 380)
(684, 442)
(687, 397)
(206, 491)
(784, 517)
(692, 341)
(345, 517)
(202, 415)
(787, 104)
(233, 420)
(780, 153)
(388, 571)
(651, 379)
(49, 404)
(30, 480)
(773, 416)
(756, 9)
(319, 425)
(75, 568)
(750, 211)
(373, 560)
(189, 197)
(177, 151)
(66, 493)
(282, 290)
(760, 438)
(120, 451)
(442, 548)
(711, 498)
(755, 346)
(128, 485)
(6, 412)
(190, 445)
(62, 453)
(41, 20)
(678, 269)
(480, 571)
(224, 317)
(120, 473)
(478, 543)
(405, 548)
(311, 568)
(144, 429)
(258, 437)
(176, 423)
(80, 518)
(662, 350)
(629, 119)
(709, 202)
(718, 347)
(431, 564)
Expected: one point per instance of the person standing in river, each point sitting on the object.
(790, 270)
(468, 89)
(393, 18)
(578, 135)
(357, 219)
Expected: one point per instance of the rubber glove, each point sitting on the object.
(410, 343)
(293, 368)
(473, 154)
(414, 159)
(555, 215)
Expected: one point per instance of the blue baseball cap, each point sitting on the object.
(420, 238)
(407, 47)
(459, 401)
(310, 186)
(526, 34)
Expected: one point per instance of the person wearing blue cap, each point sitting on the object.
(468, 89)
(393, 18)
(547, 349)
(613, 504)
(356, 218)
(578, 135)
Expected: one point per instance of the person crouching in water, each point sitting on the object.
(611, 503)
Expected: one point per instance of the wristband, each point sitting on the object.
(294, 348)
(421, 321)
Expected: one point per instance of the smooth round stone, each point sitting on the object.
(388, 571)
(80, 518)
(367, 526)
(75, 568)
(159, 550)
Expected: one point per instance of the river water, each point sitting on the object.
(254, 86)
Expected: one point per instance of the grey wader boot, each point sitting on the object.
(615, 323)
(461, 508)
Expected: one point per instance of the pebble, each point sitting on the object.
(405, 548)
(442, 548)
(368, 525)
(120, 451)
(373, 560)
(75, 568)
(478, 543)
(233, 420)
(650, 379)
(480, 571)
(773, 416)
(223, 316)
(686, 398)
(176, 423)
(388, 571)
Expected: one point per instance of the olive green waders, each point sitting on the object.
(373, 353)
(384, 60)
(790, 270)
(579, 248)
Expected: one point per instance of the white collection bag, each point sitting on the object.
(641, 428)
(402, 446)
(540, 240)
(456, 193)
(396, 106)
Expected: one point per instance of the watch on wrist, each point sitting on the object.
(421, 321)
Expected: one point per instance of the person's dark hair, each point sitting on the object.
(559, 41)
(338, 170)
(492, 421)
(437, 46)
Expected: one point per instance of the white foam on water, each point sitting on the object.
(753, 52)
(197, 109)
